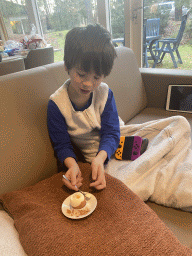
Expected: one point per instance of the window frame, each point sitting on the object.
(133, 11)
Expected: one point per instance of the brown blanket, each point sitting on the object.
(122, 224)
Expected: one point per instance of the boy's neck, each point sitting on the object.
(78, 100)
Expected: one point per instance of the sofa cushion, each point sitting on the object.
(57, 71)
(179, 222)
(126, 83)
(9, 237)
(150, 114)
(26, 154)
(120, 225)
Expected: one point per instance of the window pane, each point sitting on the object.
(170, 16)
(59, 16)
(117, 21)
(15, 18)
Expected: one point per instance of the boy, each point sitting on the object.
(83, 110)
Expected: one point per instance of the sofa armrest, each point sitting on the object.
(156, 82)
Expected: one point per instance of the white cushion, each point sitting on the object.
(9, 237)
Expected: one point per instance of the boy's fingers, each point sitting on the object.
(95, 183)
(73, 179)
(99, 181)
(98, 185)
(69, 185)
(94, 173)
(79, 174)
(79, 185)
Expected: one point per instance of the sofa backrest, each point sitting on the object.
(26, 154)
(126, 83)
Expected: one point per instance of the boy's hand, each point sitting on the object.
(73, 174)
(98, 172)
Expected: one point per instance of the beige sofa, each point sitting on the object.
(26, 154)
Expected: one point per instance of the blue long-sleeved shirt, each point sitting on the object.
(110, 131)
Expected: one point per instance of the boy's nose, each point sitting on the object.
(88, 82)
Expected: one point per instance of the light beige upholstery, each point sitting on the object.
(149, 114)
(11, 66)
(26, 154)
(39, 57)
(156, 82)
(128, 90)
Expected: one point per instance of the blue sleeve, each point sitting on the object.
(58, 132)
(110, 128)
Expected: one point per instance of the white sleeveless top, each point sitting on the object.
(83, 126)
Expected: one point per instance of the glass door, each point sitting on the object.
(168, 17)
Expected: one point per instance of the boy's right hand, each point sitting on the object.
(74, 175)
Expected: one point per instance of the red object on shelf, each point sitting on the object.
(31, 41)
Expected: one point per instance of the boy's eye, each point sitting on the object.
(96, 77)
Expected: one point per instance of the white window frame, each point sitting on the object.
(103, 9)
(3, 29)
(133, 11)
(34, 16)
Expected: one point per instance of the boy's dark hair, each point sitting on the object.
(89, 48)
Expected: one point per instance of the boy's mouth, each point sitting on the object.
(85, 91)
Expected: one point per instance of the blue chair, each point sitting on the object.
(152, 27)
(145, 57)
(170, 45)
(150, 38)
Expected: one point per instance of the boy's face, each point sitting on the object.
(84, 83)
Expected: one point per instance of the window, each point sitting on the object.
(170, 15)
(124, 18)
(59, 16)
(52, 19)
(15, 17)
(126, 25)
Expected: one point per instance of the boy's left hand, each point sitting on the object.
(98, 172)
